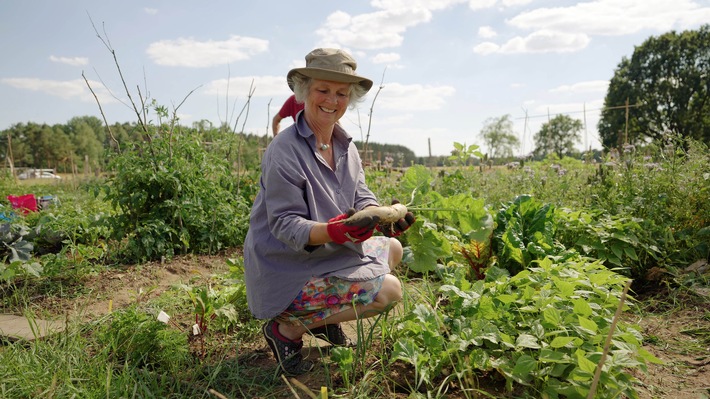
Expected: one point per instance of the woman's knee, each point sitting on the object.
(391, 290)
(395, 252)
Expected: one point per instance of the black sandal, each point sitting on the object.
(287, 353)
(333, 334)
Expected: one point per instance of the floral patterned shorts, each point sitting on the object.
(325, 296)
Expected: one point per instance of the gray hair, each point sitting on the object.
(302, 84)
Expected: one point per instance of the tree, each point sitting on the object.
(87, 136)
(667, 86)
(498, 136)
(558, 135)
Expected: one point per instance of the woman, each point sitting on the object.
(304, 270)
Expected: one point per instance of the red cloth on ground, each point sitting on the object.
(24, 203)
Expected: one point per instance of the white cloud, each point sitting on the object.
(188, 52)
(486, 48)
(514, 3)
(74, 61)
(486, 32)
(614, 17)
(150, 11)
(67, 89)
(386, 58)
(396, 96)
(377, 30)
(432, 5)
(481, 4)
(542, 41)
(592, 86)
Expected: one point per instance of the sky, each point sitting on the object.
(442, 68)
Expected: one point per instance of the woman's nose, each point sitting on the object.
(333, 98)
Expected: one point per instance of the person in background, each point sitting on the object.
(305, 270)
(291, 108)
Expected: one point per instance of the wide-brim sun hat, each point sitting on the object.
(330, 64)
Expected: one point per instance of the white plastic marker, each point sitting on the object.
(163, 317)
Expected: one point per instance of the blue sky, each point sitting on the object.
(444, 66)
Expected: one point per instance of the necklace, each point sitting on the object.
(323, 147)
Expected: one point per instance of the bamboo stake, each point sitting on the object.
(607, 344)
(304, 388)
(288, 384)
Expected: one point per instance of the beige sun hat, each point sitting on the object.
(330, 64)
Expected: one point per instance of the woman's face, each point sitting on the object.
(327, 101)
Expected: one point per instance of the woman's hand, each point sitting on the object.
(397, 228)
(340, 233)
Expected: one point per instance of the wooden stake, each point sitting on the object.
(607, 344)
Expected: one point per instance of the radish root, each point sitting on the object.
(384, 214)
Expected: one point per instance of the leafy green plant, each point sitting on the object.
(345, 359)
(16, 252)
(140, 340)
(222, 305)
(463, 154)
(525, 232)
(174, 197)
(542, 330)
(620, 242)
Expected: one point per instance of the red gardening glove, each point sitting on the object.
(341, 232)
(397, 228)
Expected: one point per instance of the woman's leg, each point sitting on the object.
(390, 293)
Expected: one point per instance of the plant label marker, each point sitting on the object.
(163, 317)
(195, 329)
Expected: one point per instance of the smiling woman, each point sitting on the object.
(306, 271)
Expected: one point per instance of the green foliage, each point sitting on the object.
(139, 340)
(16, 253)
(174, 197)
(345, 359)
(499, 137)
(222, 305)
(458, 225)
(558, 136)
(525, 232)
(463, 155)
(15, 247)
(664, 188)
(78, 218)
(666, 84)
(542, 329)
(619, 242)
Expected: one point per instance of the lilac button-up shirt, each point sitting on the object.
(299, 189)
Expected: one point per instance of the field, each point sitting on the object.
(515, 286)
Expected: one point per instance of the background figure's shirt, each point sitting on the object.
(297, 190)
(290, 108)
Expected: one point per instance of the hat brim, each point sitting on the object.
(332, 76)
